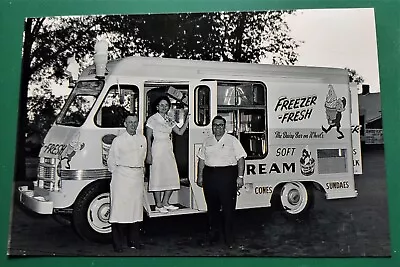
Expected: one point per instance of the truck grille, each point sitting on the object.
(47, 173)
(48, 185)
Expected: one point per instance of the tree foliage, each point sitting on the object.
(237, 36)
(354, 76)
(47, 106)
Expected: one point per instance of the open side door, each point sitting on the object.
(203, 108)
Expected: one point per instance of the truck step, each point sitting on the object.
(180, 211)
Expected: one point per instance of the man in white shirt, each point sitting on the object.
(220, 172)
(126, 162)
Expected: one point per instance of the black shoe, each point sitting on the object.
(229, 242)
(119, 250)
(135, 245)
(230, 245)
(213, 239)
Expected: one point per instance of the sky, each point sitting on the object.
(332, 38)
(338, 38)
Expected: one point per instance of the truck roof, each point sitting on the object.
(192, 69)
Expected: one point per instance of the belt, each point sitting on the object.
(220, 167)
(132, 167)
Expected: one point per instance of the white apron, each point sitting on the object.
(126, 191)
(126, 161)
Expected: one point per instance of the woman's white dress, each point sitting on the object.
(163, 170)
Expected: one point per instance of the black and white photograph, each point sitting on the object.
(236, 134)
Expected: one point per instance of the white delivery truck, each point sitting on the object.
(295, 123)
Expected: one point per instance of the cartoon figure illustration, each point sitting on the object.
(334, 108)
(307, 163)
(71, 150)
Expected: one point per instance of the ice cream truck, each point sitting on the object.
(297, 124)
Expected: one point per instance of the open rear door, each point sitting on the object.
(355, 129)
(203, 108)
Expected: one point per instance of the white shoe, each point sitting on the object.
(161, 210)
(171, 207)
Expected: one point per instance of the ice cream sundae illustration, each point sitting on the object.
(333, 109)
(307, 163)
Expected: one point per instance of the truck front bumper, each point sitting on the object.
(34, 200)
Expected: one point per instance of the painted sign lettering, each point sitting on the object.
(298, 135)
(262, 168)
(295, 109)
(374, 136)
(356, 162)
(290, 135)
(54, 149)
(285, 151)
(356, 128)
(258, 190)
(337, 185)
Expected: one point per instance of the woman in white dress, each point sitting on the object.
(164, 176)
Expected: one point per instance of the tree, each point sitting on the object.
(354, 76)
(220, 36)
(42, 112)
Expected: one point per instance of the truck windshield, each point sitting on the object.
(79, 103)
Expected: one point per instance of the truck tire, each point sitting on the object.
(91, 212)
(296, 199)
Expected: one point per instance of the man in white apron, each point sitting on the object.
(126, 162)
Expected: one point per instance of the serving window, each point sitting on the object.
(243, 105)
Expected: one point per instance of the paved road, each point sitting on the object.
(335, 228)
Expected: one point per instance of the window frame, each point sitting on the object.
(115, 86)
(79, 91)
(197, 105)
(237, 110)
(62, 115)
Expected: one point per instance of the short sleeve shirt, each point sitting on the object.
(225, 152)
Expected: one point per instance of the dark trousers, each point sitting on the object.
(124, 233)
(220, 192)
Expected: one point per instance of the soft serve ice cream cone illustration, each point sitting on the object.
(334, 108)
(330, 105)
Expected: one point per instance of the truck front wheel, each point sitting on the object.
(91, 213)
(296, 198)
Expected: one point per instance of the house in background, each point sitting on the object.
(370, 116)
